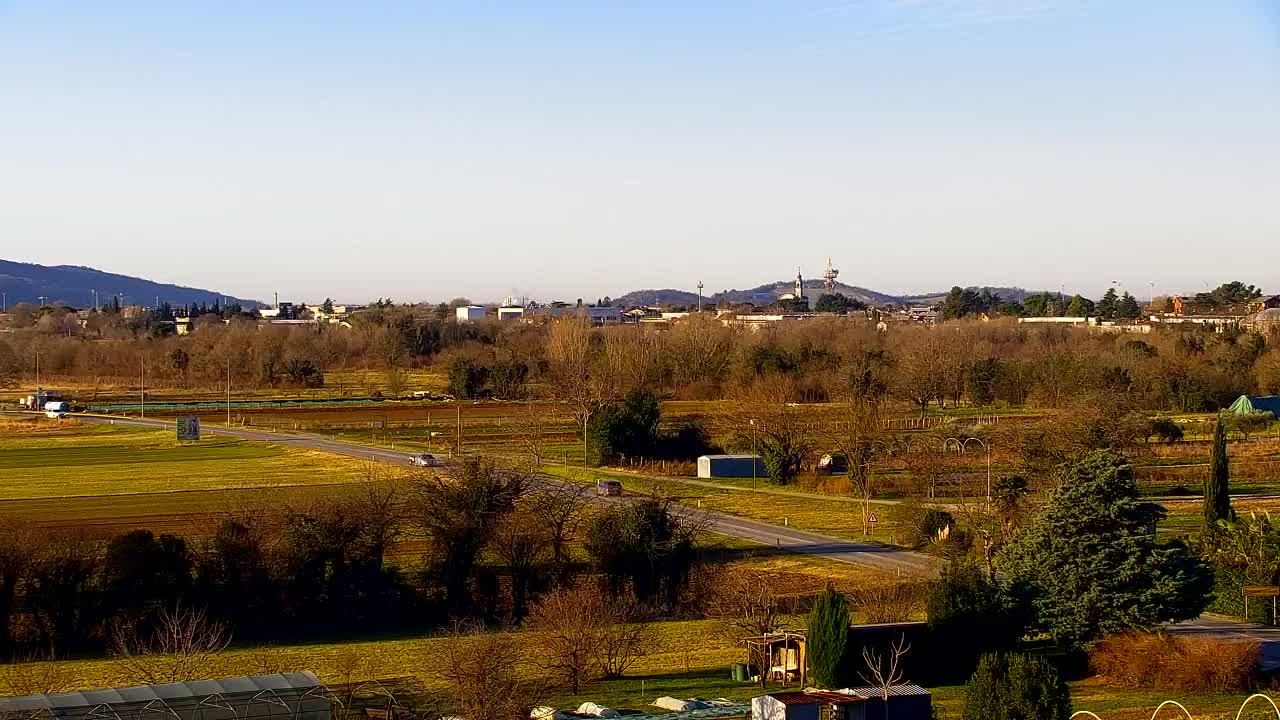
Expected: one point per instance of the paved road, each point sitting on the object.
(868, 555)
(1222, 628)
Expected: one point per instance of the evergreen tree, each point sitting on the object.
(1079, 306)
(1089, 564)
(969, 615)
(1016, 687)
(1129, 307)
(1109, 306)
(1217, 498)
(828, 635)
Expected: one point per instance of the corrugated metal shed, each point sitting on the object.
(731, 466)
(895, 691)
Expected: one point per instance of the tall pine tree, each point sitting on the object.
(828, 635)
(1217, 497)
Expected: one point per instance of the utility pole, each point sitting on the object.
(142, 361)
(753, 452)
(228, 391)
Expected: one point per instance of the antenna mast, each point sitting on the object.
(830, 277)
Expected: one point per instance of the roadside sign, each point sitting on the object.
(872, 518)
(1270, 591)
(188, 428)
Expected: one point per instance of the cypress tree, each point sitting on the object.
(828, 635)
(1217, 498)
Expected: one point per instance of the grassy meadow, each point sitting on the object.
(66, 473)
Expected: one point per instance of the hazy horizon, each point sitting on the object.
(577, 150)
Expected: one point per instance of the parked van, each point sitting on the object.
(608, 488)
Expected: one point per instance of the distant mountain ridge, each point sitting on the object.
(74, 285)
(766, 294)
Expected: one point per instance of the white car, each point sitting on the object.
(424, 460)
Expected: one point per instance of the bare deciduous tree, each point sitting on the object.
(861, 440)
(483, 676)
(889, 602)
(530, 428)
(523, 543)
(581, 633)
(624, 637)
(570, 354)
(566, 624)
(559, 507)
(181, 647)
(748, 603)
(884, 670)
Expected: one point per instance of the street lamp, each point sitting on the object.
(753, 452)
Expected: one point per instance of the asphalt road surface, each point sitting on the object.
(877, 557)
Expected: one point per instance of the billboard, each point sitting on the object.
(188, 427)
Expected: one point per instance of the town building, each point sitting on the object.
(510, 310)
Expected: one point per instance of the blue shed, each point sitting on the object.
(731, 466)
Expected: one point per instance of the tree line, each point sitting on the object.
(488, 545)
(700, 358)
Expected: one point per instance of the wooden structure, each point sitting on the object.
(1261, 591)
(779, 656)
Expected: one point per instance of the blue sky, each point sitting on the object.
(424, 150)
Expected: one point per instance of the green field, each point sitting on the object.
(67, 473)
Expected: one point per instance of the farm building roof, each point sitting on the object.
(1246, 404)
(895, 691)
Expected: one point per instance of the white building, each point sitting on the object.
(511, 310)
(470, 313)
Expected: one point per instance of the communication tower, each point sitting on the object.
(830, 277)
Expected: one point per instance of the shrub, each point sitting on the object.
(1016, 687)
(1165, 429)
(1164, 662)
(919, 525)
(890, 603)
